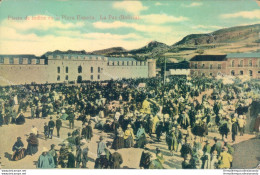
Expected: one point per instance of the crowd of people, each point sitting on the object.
(179, 113)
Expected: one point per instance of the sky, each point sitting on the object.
(38, 26)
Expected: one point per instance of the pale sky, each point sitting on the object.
(38, 26)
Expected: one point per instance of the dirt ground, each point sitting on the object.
(131, 156)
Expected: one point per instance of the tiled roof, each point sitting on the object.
(244, 55)
(208, 58)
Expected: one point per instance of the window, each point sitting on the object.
(123, 63)
(210, 74)
(196, 66)
(98, 77)
(79, 69)
(232, 63)
(259, 72)
(58, 78)
(250, 63)
(67, 77)
(219, 66)
(1, 60)
(211, 66)
(91, 77)
(241, 72)
(58, 70)
(241, 64)
(37, 61)
(99, 70)
(203, 65)
(250, 73)
(233, 73)
(91, 69)
(67, 69)
(29, 61)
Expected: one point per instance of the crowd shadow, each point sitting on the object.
(8, 156)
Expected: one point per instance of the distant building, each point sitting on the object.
(181, 68)
(233, 64)
(27, 69)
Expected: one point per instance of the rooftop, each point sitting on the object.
(208, 58)
(120, 59)
(244, 55)
(180, 65)
(18, 56)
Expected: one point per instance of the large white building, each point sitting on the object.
(27, 69)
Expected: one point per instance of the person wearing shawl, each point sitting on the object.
(33, 144)
(116, 160)
(141, 138)
(118, 142)
(146, 107)
(207, 155)
(20, 119)
(171, 141)
(129, 137)
(87, 132)
(45, 160)
(225, 159)
(18, 150)
(54, 154)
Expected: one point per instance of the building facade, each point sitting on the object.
(27, 69)
(234, 64)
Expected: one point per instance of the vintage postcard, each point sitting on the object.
(129, 84)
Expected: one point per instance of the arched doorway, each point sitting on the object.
(79, 80)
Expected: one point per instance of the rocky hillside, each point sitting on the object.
(109, 51)
(153, 47)
(227, 35)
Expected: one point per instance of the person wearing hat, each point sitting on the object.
(241, 125)
(216, 147)
(84, 157)
(33, 144)
(45, 160)
(214, 160)
(51, 126)
(87, 132)
(186, 148)
(54, 154)
(58, 125)
(46, 131)
(141, 140)
(102, 149)
(225, 159)
(129, 137)
(179, 136)
(234, 129)
(18, 150)
(171, 141)
(32, 111)
(78, 156)
(116, 160)
(206, 158)
(71, 117)
(186, 162)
